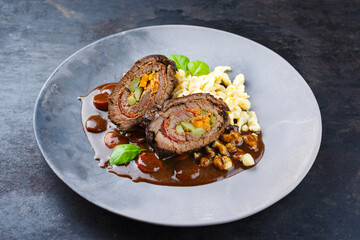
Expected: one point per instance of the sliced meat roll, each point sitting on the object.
(188, 123)
(148, 83)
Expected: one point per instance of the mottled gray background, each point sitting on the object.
(319, 38)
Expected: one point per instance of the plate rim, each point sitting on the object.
(283, 194)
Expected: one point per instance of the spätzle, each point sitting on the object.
(219, 85)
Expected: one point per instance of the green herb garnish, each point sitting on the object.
(198, 68)
(124, 153)
(181, 61)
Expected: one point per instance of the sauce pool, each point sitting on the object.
(178, 170)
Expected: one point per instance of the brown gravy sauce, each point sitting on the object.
(180, 170)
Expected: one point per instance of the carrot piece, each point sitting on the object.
(151, 76)
(201, 121)
(144, 80)
(194, 110)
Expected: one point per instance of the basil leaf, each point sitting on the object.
(181, 61)
(198, 68)
(124, 153)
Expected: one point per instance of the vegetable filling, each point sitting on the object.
(138, 85)
(197, 125)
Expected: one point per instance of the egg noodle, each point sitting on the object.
(218, 84)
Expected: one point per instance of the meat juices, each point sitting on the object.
(96, 124)
(101, 101)
(177, 170)
(112, 139)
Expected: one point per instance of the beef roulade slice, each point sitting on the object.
(188, 123)
(147, 84)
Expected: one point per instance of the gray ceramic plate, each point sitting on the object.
(287, 110)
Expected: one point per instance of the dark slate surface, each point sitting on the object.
(319, 38)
